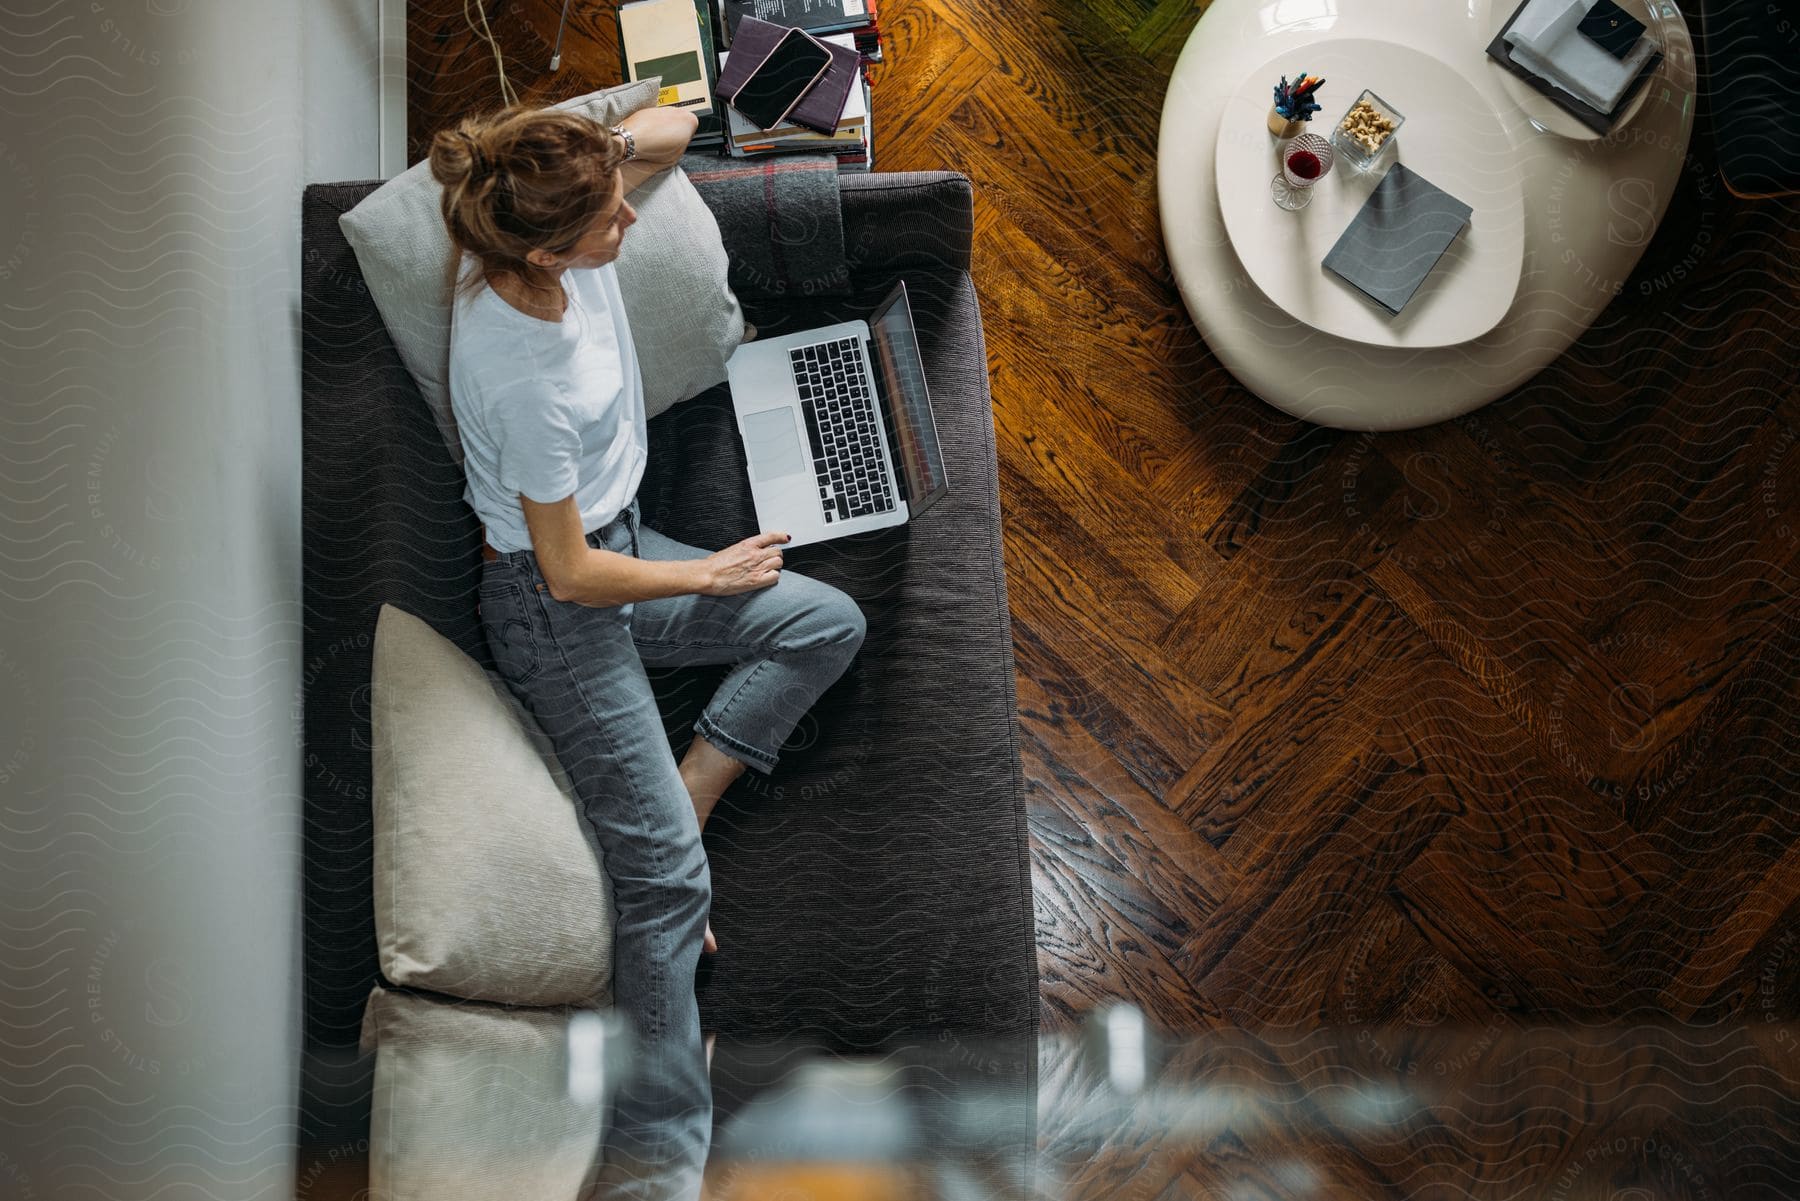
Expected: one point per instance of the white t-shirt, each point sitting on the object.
(548, 409)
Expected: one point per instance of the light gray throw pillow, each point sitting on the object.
(685, 320)
(488, 883)
(472, 1103)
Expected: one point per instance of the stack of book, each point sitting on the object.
(682, 42)
(850, 141)
(857, 18)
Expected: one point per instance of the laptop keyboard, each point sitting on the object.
(844, 429)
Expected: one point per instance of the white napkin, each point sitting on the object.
(1546, 42)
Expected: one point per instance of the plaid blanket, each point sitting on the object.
(781, 221)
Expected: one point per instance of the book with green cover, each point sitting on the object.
(673, 40)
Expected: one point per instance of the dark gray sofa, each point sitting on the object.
(875, 892)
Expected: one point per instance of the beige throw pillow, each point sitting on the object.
(488, 883)
(685, 320)
(472, 1103)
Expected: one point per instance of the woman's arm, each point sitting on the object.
(578, 572)
(662, 136)
(603, 578)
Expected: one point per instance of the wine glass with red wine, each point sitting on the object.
(1304, 162)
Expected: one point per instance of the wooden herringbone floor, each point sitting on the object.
(1486, 725)
(1498, 714)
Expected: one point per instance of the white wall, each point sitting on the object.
(152, 155)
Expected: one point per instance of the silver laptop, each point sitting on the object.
(837, 426)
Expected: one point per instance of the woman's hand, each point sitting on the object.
(751, 564)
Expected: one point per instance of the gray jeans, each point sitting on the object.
(580, 671)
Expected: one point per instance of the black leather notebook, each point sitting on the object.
(1611, 28)
(1397, 237)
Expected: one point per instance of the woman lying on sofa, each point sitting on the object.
(578, 597)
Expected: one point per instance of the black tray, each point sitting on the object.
(1576, 107)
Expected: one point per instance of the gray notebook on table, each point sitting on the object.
(1397, 238)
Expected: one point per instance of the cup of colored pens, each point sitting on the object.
(1294, 105)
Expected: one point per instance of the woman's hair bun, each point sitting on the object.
(520, 178)
(478, 159)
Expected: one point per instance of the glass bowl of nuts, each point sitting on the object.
(1365, 131)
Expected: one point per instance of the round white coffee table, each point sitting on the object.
(1589, 206)
(1451, 136)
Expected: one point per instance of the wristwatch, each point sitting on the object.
(630, 142)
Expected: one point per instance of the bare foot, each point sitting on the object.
(711, 943)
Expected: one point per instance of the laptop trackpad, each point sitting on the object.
(772, 444)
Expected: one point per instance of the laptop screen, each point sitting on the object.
(912, 429)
